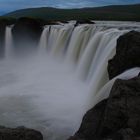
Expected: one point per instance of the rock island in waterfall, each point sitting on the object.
(70, 70)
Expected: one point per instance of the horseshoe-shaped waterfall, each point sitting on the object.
(53, 88)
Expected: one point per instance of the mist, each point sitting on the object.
(41, 93)
(51, 85)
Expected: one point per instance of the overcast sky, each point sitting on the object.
(11, 5)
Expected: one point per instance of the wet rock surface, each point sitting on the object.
(116, 118)
(78, 22)
(127, 54)
(19, 133)
(26, 33)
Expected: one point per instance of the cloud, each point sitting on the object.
(10, 5)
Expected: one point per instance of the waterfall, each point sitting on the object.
(55, 38)
(52, 96)
(103, 93)
(62, 39)
(90, 47)
(86, 59)
(8, 42)
(79, 40)
(98, 70)
(44, 39)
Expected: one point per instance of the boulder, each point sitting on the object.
(19, 133)
(115, 118)
(127, 54)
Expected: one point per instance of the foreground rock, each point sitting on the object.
(127, 54)
(20, 133)
(116, 118)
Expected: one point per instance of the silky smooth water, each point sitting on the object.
(52, 89)
(43, 94)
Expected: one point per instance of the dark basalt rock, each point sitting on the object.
(52, 22)
(116, 118)
(26, 33)
(127, 54)
(84, 22)
(19, 133)
(123, 108)
(90, 123)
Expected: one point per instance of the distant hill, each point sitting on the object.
(114, 12)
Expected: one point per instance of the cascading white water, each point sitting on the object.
(8, 41)
(98, 71)
(46, 94)
(44, 39)
(103, 93)
(86, 59)
(62, 39)
(79, 40)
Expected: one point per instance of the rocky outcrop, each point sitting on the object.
(19, 133)
(84, 22)
(26, 33)
(127, 54)
(90, 123)
(116, 118)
